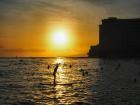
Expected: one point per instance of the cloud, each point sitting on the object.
(27, 9)
(101, 2)
(20, 50)
(3, 34)
(1, 47)
(38, 9)
(25, 19)
(23, 5)
(118, 8)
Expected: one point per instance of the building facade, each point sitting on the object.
(118, 38)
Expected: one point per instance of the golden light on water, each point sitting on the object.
(59, 60)
(61, 76)
(68, 79)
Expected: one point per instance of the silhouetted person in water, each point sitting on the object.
(118, 66)
(70, 66)
(54, 73)
(135, 80)
(48, 66)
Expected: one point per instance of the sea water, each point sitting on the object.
(79, 81)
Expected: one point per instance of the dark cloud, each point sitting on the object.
(125, 8)
(8, 1)
(133, 4)
(51, 5)
(118, 8)
(29, 4)
(101, 2)
(17, 10)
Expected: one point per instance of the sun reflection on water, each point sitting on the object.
(59, 61)
(33, 78)
(61, 82)
(71, 85)
(61, 72)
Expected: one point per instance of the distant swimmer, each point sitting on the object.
(135, 80)
(54, 73)
(101, 68)
(48, 66)
(118, 66)
(84, 72)
(138, 73)
(70, 66)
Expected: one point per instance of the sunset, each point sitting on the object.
(69, 52)
(34, 24)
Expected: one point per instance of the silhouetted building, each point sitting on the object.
(118, 38)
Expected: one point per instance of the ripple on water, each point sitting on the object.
(24, 102)
(86, 82)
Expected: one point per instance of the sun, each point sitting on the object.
(60, 37)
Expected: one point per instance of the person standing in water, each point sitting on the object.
(54, 73)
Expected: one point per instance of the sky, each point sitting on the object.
(26, 26)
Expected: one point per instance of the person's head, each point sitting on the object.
(57, 64)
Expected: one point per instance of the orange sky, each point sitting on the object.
(26, 26)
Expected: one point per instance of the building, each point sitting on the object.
(118, 38)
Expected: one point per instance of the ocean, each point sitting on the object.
(79, 81)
